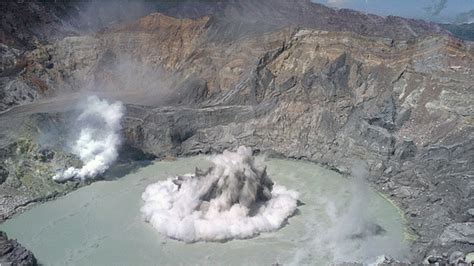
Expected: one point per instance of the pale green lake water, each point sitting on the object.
(101, 224)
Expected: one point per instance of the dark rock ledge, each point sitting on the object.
(12, 253)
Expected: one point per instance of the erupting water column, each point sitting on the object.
(233, 199)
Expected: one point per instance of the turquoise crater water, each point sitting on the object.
(101, 224)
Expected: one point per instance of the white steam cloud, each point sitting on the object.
(98, 141)
(233, 199)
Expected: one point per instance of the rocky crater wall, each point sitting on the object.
(404, 106)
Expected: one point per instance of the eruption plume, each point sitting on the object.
(98, 140)
(233, 199)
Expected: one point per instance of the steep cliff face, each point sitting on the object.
(276, 14)
(293, 87)
(334, 97)
(27, 62)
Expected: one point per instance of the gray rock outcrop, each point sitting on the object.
(12, 253)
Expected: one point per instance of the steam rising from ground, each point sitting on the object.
(98, 141)
(233, 199)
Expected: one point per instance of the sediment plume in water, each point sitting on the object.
(233, 199)
(98, 141)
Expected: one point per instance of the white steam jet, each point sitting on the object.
(98, 141)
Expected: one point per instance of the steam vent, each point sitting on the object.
(236, 132)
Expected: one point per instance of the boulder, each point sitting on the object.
(456, 258)
(12, 253)
(459, 233)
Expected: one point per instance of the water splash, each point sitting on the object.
(233, 199)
